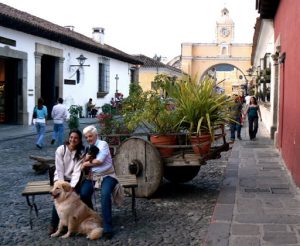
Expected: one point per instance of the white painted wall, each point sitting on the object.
(265, 44)
(73, 94)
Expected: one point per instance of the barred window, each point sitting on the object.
(104, 74)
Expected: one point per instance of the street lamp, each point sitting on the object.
(81, 60)
(249, 74)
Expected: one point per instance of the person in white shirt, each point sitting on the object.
(59, 115)
(247, 99)
(102, 166)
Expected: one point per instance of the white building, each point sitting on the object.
(40, 59)
(265, 72)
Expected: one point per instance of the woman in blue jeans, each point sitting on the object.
(39, 118)
(68, 160)
(253, 112)
(102, 167)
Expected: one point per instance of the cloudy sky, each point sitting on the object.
(143, 26)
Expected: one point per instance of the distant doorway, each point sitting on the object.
(10, 90)
(49, 92)
(229, 79)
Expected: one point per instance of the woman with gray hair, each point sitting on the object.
(102, 167)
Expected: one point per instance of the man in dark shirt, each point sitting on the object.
(236, 114)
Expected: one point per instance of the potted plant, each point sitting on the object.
(159, 118)
(200, 109)
(74, 111)
(163, 120)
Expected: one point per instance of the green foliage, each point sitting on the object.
(190, 105)
(110, 124)
(158, 114)
(148, 107)
(199, 107)
(108, 109)
(161, 80)
(74, 111)
(132, 105)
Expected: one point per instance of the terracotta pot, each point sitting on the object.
(203, 149)
(164, 140)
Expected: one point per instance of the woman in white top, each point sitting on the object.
(68, 160)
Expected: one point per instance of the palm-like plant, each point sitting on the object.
(199, 107)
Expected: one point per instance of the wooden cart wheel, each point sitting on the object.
(138, 156)
(181, 174)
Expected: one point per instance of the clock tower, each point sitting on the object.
(224, 28)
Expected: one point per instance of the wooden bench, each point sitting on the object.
(35, 188)
(31, 190)
(130, 182)
(42, 164)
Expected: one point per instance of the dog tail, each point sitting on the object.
(95, 233)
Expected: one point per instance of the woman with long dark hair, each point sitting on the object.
(253, 112)
(39, 118)
(68, 160)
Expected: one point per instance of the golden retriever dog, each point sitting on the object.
(74, 214)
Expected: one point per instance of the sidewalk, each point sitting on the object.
(258, 203)
(8, 132)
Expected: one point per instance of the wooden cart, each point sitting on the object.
(136, 155)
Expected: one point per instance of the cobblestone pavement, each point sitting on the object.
(176, 215)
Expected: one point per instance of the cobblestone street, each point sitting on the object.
(176, 215)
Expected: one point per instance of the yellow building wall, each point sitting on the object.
(241, 51)
(186, 49)
(146, 78)
(206, 50)
(206, 56)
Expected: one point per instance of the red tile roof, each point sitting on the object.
(150, 62)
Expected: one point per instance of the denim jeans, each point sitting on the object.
(40, 129)
(107, 186)
(58, 133)
(253, 126)
(235, 127)
(85, 191)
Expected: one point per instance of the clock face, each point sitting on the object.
(225, 32)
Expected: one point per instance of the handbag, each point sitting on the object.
(34, 115)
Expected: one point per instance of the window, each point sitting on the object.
(104, 74)
(224, 49)
(133, 75)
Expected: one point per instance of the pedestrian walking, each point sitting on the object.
(68, 160)
(236, 114)
(247, 99)
(59, 115)
(39, 119)
(253, 112)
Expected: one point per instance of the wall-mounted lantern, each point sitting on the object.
(81, 60)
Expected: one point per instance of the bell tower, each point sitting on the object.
(225, 28)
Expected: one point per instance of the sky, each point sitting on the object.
(156, 27)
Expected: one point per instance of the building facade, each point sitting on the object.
(227, 61)
(41, 59)
(264, 69)
(151, 68)
(285, 19)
